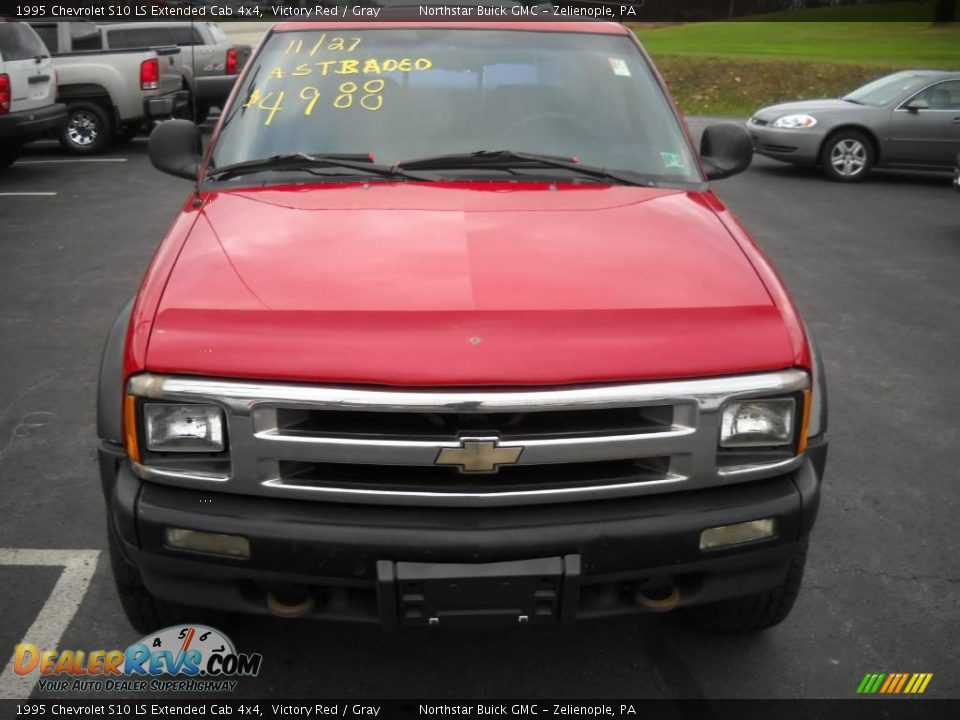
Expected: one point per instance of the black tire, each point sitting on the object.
(9, 154)
(128, 132)
(754, 612)
(88, 129)
(145, 611)
(847, 156)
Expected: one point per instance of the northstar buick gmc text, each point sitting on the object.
(453, 330)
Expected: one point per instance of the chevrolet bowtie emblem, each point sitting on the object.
(479, 455)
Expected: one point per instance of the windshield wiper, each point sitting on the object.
(304, 161)
(510, 159)
(851, 100)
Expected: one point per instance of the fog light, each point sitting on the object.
(736, 534)
(215, 543)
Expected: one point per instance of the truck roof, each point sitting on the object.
(599, 28)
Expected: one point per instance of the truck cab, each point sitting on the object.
(110, 94)
(452, 330)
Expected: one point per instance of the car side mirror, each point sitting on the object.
(725, 149)
(175, 148)
(915, 105)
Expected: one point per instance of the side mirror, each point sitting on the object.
(725, 149)
(175, 148)
(915, 105)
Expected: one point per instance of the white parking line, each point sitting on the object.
(75, 160)
(57, 612)
(28, 194)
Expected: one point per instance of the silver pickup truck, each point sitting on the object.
(205, 60)
(109, 93)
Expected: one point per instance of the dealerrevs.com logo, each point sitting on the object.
(182, 658)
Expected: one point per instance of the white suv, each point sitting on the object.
(28, 90)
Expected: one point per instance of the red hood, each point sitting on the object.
(411, 284)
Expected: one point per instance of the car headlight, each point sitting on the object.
(795, 121)
(753, 423)
(183, 428)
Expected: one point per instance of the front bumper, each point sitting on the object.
(31, 124)
(332, 551)
(801, 147)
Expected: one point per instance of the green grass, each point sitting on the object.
(898, 11)
(900, 44)
(734, 68)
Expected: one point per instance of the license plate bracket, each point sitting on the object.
(541, 591)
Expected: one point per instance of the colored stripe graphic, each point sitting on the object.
(894, 683)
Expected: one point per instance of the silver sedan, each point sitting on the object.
(910, 119)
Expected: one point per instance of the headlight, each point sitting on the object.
(752, 423)
(795, 121)
(183, 428)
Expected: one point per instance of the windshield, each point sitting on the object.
(405, 94)
(886, 89)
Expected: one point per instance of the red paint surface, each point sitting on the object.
(462, 284)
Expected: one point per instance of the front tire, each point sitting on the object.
(755, 612)
(88, 130)
(847, 156)
(146, 612)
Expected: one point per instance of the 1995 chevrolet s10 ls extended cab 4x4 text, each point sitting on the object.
(453, 330)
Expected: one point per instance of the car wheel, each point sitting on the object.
(847, 156)
(145, 611)
(754, 612)
(9, 155)
(88, 130)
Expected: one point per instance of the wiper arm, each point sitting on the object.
(304, 161)
(851, 100)
(507, 159)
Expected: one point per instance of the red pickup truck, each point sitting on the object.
(453, 331)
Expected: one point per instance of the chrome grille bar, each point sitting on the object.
(259, 447)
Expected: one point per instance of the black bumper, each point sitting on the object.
(162, 107)
(332, 551)
(32, 124)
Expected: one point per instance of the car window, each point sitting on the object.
(407, 93)
(185, 36)
(85, 36)
(140, 37)
(48, 34)
(887, 89)
(18, 41)
(942, 96)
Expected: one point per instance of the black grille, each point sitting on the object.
(449, 479)
(509, 426)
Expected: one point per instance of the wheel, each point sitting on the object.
(88, 129)
(847, 156)
(145, 611)
(754, 612)
(9, 155)
(128, 132)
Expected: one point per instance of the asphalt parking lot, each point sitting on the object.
(874, 268)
